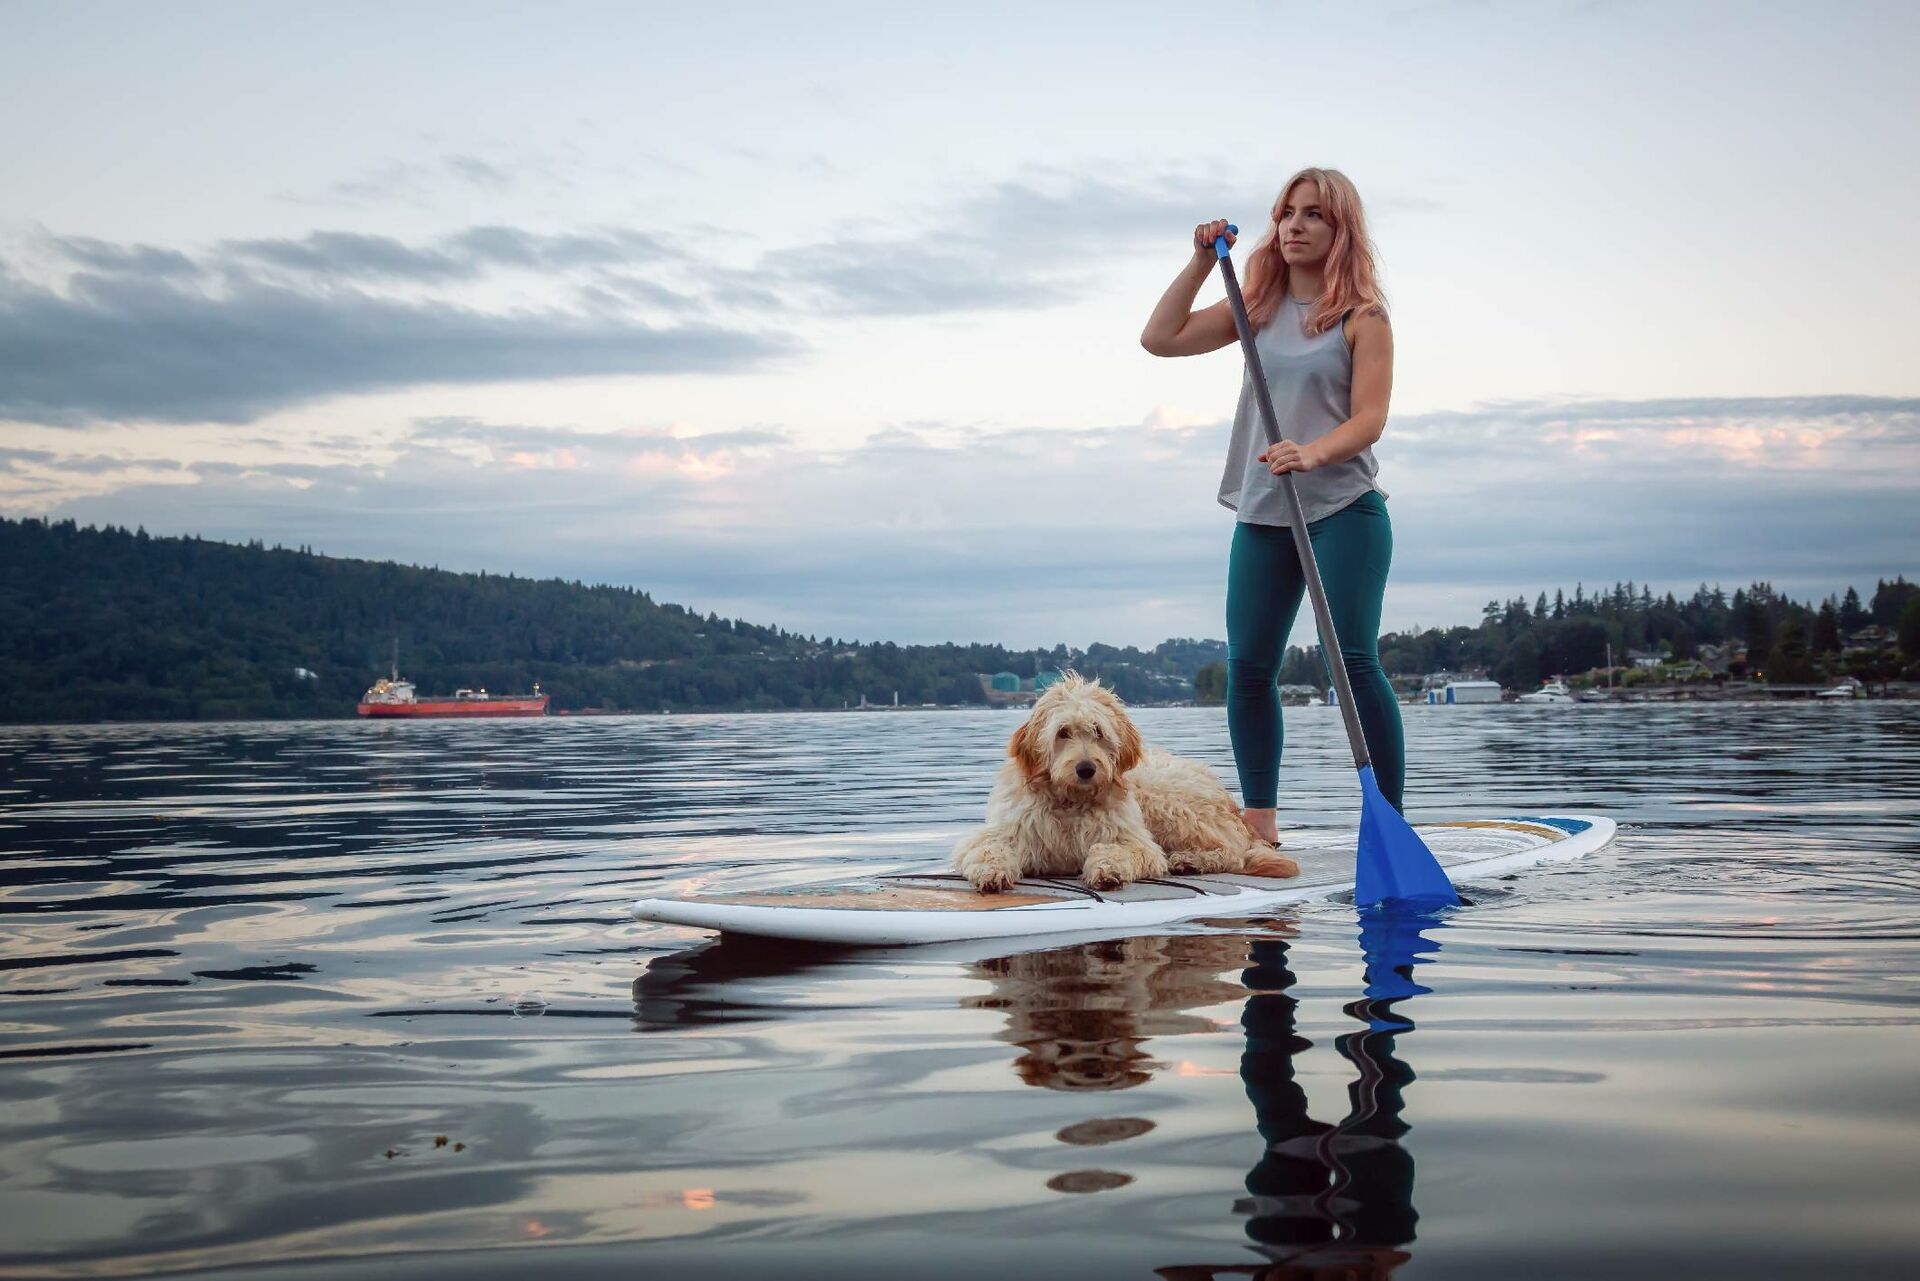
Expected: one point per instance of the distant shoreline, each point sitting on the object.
(1639, 699)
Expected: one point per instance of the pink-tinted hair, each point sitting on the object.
(1350, 278)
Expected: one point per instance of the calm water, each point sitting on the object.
(361, 1000)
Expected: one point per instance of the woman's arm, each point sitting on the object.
(1372, 388)
(1175, 329)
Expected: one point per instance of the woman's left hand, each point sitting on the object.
(1288, 456)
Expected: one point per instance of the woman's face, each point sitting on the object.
(1305, 235)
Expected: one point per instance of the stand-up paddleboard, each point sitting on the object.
(940, 907)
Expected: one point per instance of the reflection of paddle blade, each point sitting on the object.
(1393, 864)
(1391, 944)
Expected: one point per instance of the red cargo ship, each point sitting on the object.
(396, 697)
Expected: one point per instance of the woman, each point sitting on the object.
(1327, 351)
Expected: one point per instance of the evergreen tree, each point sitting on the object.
(1789, 662)
(1908, 628)
(1889, 599)
(1853, 616)
(1520, 669)
(1303, 667)
(1826, 629)
(1756, 628)
(1575, 645)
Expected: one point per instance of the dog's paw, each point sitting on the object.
(992, 880)
(1111, 864)
(1275, 865)
(1200, 862)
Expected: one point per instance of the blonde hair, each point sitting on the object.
(1351, 277)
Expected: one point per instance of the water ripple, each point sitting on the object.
(338, 990)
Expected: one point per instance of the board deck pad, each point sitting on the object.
(938, 905)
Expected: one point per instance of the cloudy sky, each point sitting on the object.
(827, 316)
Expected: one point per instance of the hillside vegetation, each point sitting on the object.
(112, 624)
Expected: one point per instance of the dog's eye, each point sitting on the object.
(1097, 733)
(1064, 733)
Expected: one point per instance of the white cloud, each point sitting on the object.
(935, 532)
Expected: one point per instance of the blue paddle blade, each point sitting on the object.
(1394, 864)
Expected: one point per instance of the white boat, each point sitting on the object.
(1549, 692)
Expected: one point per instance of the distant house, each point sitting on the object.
(1645, 657)
(1724, 660)
(1046, 680)
(1470, 691)
(1002, 689)
(302, 674)
(1871, 639)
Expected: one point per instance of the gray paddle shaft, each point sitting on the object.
(1322, 616)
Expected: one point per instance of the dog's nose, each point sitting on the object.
(1085, 770)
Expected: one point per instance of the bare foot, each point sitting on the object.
(1263, 824)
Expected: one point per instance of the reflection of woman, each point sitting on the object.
(1316, 1184)
(1327, 352)
(1325, 1200)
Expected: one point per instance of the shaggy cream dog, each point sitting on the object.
(1080, 795)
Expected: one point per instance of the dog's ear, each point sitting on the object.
(1021, 747)
(1126, 736)
(1131, 748)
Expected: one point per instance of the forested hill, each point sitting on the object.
(112, 624)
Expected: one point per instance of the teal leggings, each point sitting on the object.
(1264, 584)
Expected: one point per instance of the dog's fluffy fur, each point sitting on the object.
(1080, 795)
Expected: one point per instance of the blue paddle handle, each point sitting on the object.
(1220, 242)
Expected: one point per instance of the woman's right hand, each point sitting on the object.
(1174, 328)
(1206, 233)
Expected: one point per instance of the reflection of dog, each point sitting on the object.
(1079, 794)
(1081, 1014)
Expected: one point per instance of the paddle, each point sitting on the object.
(1393, 863)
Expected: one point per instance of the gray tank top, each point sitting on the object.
(1311, 381)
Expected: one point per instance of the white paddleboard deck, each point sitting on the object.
(938, 906)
